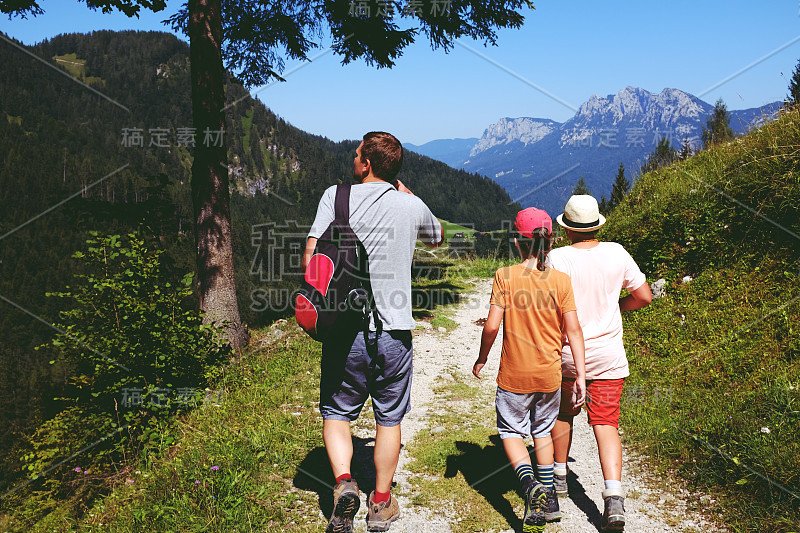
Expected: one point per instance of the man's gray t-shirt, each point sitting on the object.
(388, 223)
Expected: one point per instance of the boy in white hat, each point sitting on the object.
(598, 271)
(537, 309)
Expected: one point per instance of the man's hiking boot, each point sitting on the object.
(381, 515)
(535, 505)
(560, 485)
(345, 504)
(614, 513)
(551, 509)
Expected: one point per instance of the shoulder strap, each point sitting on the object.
(341, 208)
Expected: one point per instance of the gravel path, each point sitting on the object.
(652, 504)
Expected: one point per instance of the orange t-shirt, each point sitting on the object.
(534, 303)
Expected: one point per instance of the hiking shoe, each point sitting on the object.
(535, 504)
(560, 485)
(345, 504)
(381, 515)
(614, 513)
(552, 512)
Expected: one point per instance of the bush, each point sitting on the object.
(138, 353)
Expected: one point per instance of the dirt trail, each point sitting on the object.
(652, 505)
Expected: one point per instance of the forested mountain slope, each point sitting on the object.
(118, 148)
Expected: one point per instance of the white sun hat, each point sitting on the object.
(581, 214)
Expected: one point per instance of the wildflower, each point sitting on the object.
(197, 482)
(77, 469)
(765, 430)
(214, 468)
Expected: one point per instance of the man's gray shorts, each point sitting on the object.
(520, 415)
(353, 371)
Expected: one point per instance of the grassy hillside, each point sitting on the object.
(715, 386)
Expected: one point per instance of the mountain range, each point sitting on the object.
(538, 161)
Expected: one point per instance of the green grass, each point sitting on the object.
(77, 68)
(261, 429)
(247, 123)
(441, 321)
(715, 371)
(451, 229)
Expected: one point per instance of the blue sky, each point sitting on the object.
(570, 49)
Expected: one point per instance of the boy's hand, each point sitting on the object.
(580, 391)
(476, 368)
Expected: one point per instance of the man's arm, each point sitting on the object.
(402, 188)
(441, 240)
(575, 336)
(311, 244)
(637, 299)
(490, 329)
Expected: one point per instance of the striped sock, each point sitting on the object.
(525, 473)
(544, 474)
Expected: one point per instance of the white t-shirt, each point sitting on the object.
(598, 274)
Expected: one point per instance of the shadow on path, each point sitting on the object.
(579, 497)
(314, 473)
(488, 471)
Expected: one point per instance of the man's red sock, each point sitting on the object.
(343, 477)
(379, 497)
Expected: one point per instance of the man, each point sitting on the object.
(388, 219)
(598, 271)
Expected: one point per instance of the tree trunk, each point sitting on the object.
(210, 191)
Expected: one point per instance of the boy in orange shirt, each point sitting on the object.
(537, 308)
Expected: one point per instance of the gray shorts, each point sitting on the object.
(353, 371)
(520, 415)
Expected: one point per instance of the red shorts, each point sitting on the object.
(602, 401)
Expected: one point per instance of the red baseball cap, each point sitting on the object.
(530, 219)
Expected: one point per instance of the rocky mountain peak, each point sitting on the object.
(526, 130)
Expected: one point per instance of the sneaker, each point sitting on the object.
(345, 504)
(560, 485)
(381, 515)
(552, 512)
(614, 513)
(535, 504)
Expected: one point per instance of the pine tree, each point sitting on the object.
(794, 87)
(663, 155)
(620, 188)
(581, 187)
(718, 125)
(604, 206)
(686, 150)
